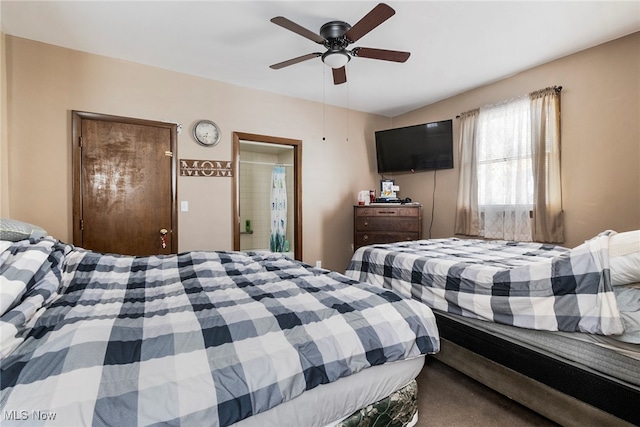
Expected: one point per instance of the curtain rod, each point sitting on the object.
(556, 88)
(250, 162)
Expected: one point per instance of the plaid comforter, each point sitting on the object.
(529, 285)
(200, 338)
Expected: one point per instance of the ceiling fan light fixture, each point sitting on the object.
(336, 59)
(336, 36)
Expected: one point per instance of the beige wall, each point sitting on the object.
(46, 82)
(600, 142)
(600, 139)
(4, 147)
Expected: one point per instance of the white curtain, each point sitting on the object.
(509, 185)
(548, 222)
(467, 215)
(505, 180)
(278, 210)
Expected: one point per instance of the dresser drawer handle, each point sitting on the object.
(366, 223)
(387, 212)
(365, 237)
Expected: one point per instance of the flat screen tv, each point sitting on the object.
(427, 146)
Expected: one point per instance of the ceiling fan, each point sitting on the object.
(336, 36)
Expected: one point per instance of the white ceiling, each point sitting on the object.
(455, 46)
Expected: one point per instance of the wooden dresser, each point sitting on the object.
(386, 224)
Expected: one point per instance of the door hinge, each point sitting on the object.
(168, 153)
(80, 141)
(81, 225)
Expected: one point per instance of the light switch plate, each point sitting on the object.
(184, 206)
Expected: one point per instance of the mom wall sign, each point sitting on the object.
(208, 168)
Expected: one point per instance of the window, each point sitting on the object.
(505, 175)
(509, 184)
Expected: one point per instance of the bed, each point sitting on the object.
(556, 329)
(200, 338)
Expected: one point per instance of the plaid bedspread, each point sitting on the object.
(200, 338)
(529, 285)
(29, 279)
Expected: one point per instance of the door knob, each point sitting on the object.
(163, 237)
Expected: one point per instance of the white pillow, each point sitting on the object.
(624, 258)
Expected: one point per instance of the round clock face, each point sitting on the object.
(206, 133)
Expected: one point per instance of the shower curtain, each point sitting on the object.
(278, 210)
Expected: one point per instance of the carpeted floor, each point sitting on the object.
(449, 398)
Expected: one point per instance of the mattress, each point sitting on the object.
(327, 404)
(566, 379)
(575, 348)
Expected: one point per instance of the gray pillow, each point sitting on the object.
(13, 230)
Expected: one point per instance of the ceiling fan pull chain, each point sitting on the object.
(324, 103)
(348, 110)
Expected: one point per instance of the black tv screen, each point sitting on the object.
(427, 146)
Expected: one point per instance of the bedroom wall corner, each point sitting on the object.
(600, 139)
(47, 82)
(4, 147)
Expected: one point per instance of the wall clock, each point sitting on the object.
(206, 133)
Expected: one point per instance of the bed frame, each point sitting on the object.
(559, 390)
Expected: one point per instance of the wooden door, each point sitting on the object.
(124, 184)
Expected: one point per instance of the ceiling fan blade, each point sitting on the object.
(339, 75)
(295, 60)
(371, 20)
(298, 29)
(383, 54)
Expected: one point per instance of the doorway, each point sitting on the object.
(260, 223)
(124, 184)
